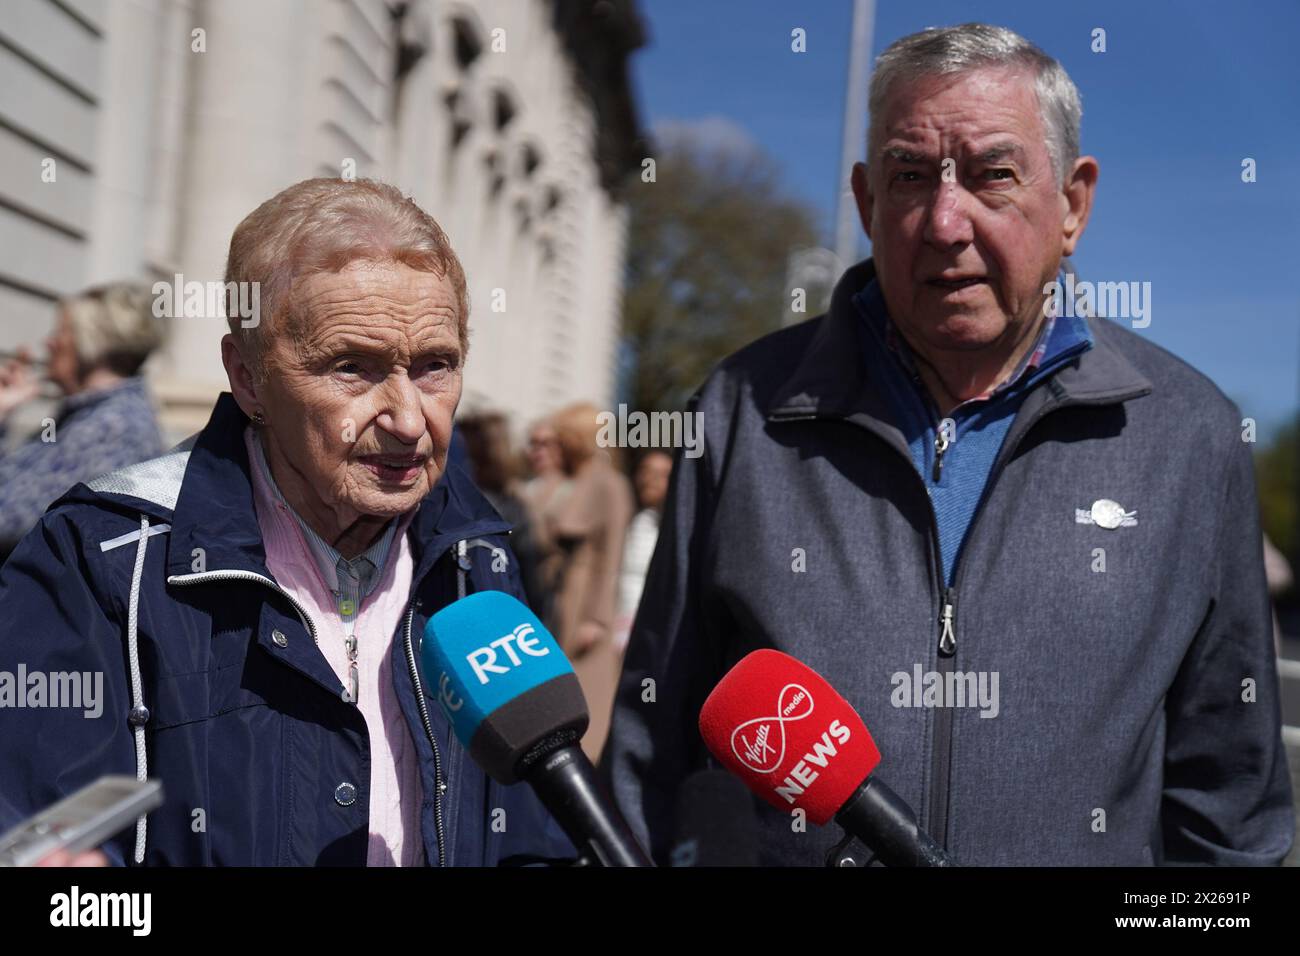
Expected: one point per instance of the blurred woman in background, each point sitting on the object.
(654, 470)
(547, 471)
(586, 521)
(487, 445)
(105, 421)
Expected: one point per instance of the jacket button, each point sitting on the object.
(345, 794)
(279, 639)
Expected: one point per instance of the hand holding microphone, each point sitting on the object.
(780, 727)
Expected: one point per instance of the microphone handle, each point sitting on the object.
(882, 820)
(565, 781)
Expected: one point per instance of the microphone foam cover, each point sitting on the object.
(501, 679)
(781, 728)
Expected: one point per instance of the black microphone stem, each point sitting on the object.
(883, 821)
(566, 782)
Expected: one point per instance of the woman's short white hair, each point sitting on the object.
(113, 326)
(321, 225)
(943, 51)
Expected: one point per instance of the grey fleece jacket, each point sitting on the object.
(1137, 715)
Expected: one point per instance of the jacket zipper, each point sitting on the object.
(941, 754)
(947, 618)
(206, 576)
(942, 734)
(941, 444)
(441, 785)
(947, 650)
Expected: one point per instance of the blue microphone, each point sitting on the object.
(516, 706)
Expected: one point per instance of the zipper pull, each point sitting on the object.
(941, 444)
(948, 637)
(350, 643)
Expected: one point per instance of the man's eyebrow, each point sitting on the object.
(1000, 151)
(903, 155)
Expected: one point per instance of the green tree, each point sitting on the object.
(1275, 475)
(707, 249)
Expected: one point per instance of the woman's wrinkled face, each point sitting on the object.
(360, 386)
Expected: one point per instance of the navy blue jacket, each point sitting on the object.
(261, 760)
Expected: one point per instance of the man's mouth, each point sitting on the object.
(401, 469)
(958, 282)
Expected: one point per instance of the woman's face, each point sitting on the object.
(359, 390)
(63, 369)
(543, 450)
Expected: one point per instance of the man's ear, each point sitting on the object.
(1077, 195)
(862, 193)
(243, 379)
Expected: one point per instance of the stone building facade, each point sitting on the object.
(164, 122)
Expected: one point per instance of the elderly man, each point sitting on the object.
(253, 600)
(945, 478)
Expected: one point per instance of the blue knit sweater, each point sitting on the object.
(981, 424)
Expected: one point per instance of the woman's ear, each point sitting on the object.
(243, 379)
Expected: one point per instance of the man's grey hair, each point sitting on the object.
(943, 51)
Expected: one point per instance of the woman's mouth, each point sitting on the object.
(397, 469)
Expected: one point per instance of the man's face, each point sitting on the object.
(963, 248)
(361, 387)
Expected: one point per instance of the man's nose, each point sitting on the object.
(947, 222)
(401, 413)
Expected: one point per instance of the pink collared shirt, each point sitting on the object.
(394, 785)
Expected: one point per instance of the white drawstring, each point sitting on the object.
(139, 714)
(462, 566)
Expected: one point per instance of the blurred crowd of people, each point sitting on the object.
(583, 534)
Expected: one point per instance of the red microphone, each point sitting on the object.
(781, 728)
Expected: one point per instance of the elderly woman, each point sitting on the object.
(254, 598)
(96, 349)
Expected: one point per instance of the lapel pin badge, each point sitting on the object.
(1111, 514)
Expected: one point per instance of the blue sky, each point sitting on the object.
(1182, 94)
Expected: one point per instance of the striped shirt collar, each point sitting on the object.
(363, 569)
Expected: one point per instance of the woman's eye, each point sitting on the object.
(348, 367)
